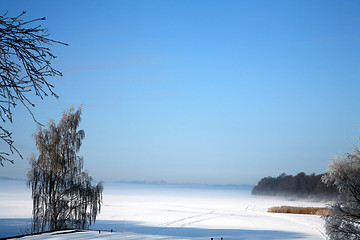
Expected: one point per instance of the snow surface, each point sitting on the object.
(174, 212)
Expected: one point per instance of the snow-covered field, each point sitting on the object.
(176, 212)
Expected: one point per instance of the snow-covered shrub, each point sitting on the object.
(343, 221)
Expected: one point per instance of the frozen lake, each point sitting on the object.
(143, 211)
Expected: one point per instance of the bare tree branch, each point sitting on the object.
(25, 65)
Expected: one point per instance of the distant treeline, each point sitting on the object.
(301, 185)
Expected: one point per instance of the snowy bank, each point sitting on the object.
(163, 212)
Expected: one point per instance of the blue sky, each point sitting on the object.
(201, 91)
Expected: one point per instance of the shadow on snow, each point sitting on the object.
(228, 234)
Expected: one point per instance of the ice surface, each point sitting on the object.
(15, 199)
(175, 212)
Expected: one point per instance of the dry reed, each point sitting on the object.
(300, 210)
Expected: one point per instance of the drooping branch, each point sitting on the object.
(63, 195)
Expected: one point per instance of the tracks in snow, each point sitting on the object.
(189, 220)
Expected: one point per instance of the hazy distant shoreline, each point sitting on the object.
(163, 183)
(200, 185)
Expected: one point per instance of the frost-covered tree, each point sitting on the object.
(25, 66)
(343, 221)
(63, 194)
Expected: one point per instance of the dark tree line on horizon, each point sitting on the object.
(300, 185)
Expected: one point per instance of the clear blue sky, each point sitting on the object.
(201, 91)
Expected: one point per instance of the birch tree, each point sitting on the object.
(63, 194)
(343, 221)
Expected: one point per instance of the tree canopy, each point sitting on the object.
(25, 65)
(343, 221)
(63, 194)
(300, 185)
